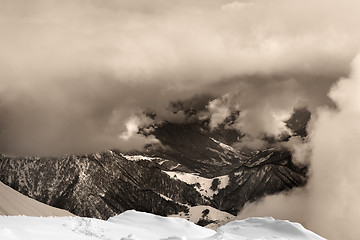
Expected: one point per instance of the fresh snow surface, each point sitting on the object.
(202, 185)
(264, 228)
(133, 225)
(130, 225)
(151, 226)
(14, 203)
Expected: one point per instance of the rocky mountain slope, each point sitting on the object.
(195, 167)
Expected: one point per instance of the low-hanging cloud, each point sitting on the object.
(219, 110)
(73, 73)
(329, 204)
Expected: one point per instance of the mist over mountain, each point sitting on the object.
(78, 76)
(168, 106)
(192, 166)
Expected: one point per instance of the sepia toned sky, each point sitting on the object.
(76, 76)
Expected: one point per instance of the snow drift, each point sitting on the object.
(133, 225)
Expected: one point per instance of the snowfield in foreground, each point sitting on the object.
(133, 225)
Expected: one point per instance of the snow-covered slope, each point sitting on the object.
(264, 228)
(203, 185)
(14, 203)
(133, 225)
(206, 216)
(150, 226)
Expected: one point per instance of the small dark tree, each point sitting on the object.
(215, 184)
(205, 212)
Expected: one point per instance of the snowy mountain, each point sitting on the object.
(197, 167)
(133, 225)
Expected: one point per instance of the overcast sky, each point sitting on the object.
(76, 75)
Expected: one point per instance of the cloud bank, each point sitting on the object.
(73, 73)
(329, 205)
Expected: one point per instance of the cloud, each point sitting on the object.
(249, 142)
(66, 68)
(219, 110)
(300, 149)
(329, 205)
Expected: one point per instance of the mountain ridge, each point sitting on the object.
(104, 184)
